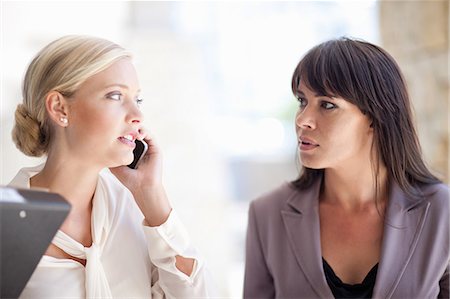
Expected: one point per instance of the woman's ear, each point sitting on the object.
(57, 108)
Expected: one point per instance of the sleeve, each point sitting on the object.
(164, 243)
(258, 282)
(444, 284)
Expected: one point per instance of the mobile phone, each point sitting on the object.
(138, 152)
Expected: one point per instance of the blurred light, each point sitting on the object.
(270, 134)
(243, 136)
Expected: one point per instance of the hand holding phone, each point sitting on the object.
(138, 152)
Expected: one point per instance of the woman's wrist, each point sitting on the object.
(154, 204)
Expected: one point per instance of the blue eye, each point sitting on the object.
(328, 105)
(117, 96)
(139, 101)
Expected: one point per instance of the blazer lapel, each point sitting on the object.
(403, 224)
(303, 230)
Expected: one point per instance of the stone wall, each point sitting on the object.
(416, 33)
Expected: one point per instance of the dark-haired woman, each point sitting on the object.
(365, 218)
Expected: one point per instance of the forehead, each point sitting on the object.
(121, 72)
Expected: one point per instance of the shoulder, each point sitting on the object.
(432, 201)
(437, 190)
(22, 178)
(110, 182)
(275, 196)
(436, 194)
(119, 198)
(436, 224)
(273, 200)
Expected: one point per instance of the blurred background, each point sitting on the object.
(216, 82)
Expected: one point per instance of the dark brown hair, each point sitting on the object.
(368, 77)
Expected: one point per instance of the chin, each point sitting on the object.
(121, 161)
(310, 163)
(114, 165)
(312, 166)
(127, 162)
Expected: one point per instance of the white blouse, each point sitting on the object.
(126, 259)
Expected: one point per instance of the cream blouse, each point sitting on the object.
(126, 259)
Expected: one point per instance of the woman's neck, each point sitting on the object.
(73, 180)
(355, 188)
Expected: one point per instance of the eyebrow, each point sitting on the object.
(121, 85)
(299, 92)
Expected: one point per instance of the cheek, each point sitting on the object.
(296, 119)
(93, 124)
(347, 135)
(100, 122)
(354, 137)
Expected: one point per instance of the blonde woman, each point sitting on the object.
(121, 238)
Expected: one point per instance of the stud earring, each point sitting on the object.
(64, 120)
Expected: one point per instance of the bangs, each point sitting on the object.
(326, 70)
(314, 76)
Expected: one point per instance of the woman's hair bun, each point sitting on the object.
(27, 134)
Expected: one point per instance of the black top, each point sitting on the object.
(344, 290)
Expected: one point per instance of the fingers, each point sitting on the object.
(145, 135)
(150, 139)
(142, 133)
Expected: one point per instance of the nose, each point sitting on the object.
(134, 114)
(305, 119)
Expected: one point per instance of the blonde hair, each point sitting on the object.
(63, 65)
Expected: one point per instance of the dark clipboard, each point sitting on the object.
(29, 219)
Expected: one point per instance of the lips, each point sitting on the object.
(128, 139)
(307, 143)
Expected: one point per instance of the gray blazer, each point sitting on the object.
(283, 253)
